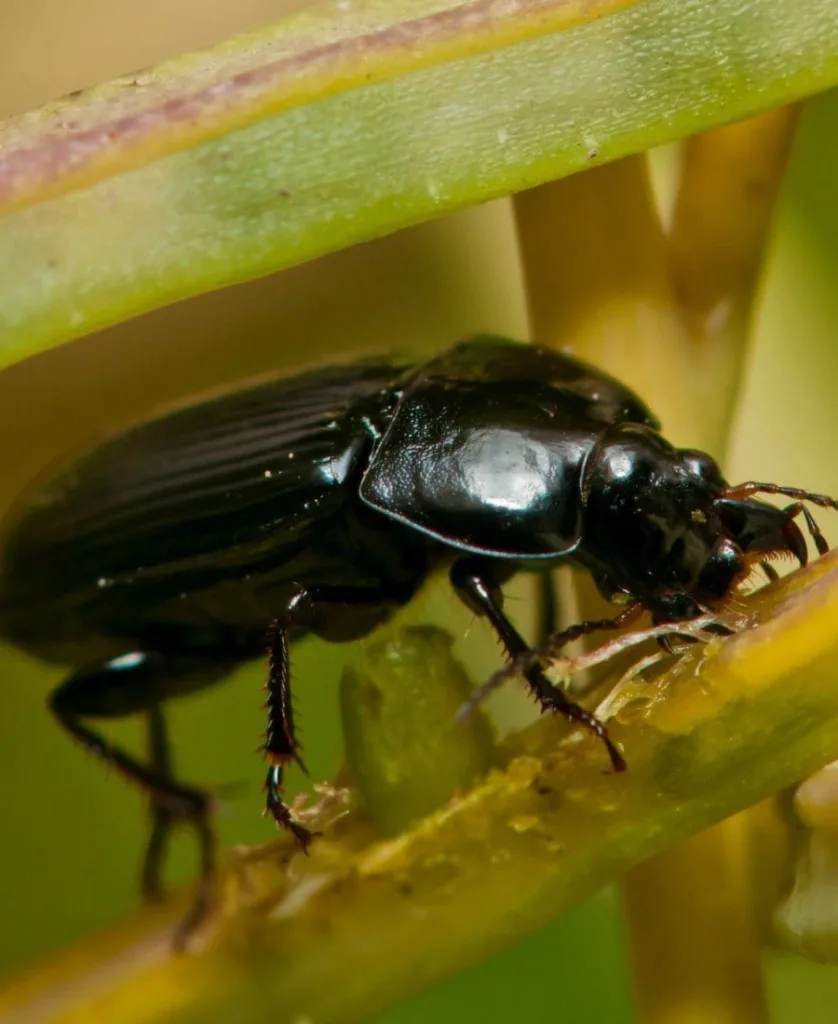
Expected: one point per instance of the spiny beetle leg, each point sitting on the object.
(474, 583)
(281, 745)
(553, 698)
(335, 613)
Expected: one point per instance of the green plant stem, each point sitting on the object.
(405, 750)
(338, 935)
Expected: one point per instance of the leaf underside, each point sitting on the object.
(341, 125)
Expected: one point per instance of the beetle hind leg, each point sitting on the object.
(162, 819)
(137, 683)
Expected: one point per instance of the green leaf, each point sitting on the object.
(351, 121)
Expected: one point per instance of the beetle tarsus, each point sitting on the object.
(281, 812)
(553, 698)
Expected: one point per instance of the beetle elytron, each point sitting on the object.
(173, 552)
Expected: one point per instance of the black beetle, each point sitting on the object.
(166, 556)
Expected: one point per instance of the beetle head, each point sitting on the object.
(661, 525)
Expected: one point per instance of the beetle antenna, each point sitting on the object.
(752, 487)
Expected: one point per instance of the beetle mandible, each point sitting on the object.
(163, 558)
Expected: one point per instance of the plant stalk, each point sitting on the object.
(670, 316)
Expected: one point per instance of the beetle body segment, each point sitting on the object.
(201, 508)
(486, 449)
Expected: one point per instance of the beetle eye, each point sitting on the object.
(699, 464)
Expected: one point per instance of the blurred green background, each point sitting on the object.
(72, 833)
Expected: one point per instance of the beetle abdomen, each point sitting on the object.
(205, 493)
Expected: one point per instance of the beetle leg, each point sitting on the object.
(133, 683)
(335, 613)
(476, 588)
(281, 745)
(162, 819)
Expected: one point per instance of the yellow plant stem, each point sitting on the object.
(597, 283)
(701, 890)
(727, 192)
(599, 272)
(694, 942)
(359, 924)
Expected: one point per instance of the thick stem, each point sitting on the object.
(727, 192)
(694, 942)
(729, 184)
(600, 273)
(597, 281)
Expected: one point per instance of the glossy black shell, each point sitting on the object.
(486, 449)
(371, 471)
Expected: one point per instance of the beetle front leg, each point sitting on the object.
(474, 584)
